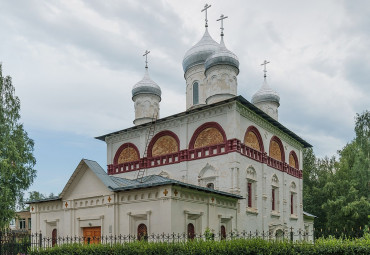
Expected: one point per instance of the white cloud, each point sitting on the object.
(74, 64)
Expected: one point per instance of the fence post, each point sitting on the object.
(1, 242)
(40, 239)
(291, 234)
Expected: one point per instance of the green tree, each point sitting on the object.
(16, 153)
(338, 191)
(348, 204)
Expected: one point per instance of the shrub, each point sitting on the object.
(237, 247)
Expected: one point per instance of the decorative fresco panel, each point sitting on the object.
(275, 151)
(251, 140)
(209, 136)
(165, 145)
(127, 155)
(292, 162)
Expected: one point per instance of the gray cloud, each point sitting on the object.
(74, 63)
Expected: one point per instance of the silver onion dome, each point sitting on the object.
(222, 56)
(266, 94)
(200, 51)
(146, 86)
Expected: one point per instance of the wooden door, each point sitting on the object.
(142, 232)
(92, 235)
(54, 237)
(223, 232)
(191, 231)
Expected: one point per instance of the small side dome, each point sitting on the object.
(222, 56)
(266, 94)
(146, 86)
(200, 51)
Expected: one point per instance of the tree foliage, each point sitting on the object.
(16, 152)
(338, 191)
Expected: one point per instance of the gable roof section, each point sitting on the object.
(96, 169)
(239, 99)
(116, 184)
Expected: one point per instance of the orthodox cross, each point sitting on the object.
(165, 192)
(222, 17)
(66, 204)
(264, 68)
(205, 9)
(109, 199)
(146, 58)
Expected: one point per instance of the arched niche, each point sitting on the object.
(127, 152)
(210, 133)
(253, 139)
(293, 160)
(276, 150)
(208, 175)
(165, 142)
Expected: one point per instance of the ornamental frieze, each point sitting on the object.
(252, 116)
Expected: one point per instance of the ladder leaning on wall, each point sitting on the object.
(151, 130)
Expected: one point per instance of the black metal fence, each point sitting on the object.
(20, 242)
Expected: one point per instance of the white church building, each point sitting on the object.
(224, 164)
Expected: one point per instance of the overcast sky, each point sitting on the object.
(74, 63)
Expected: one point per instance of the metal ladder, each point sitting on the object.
(141, 172)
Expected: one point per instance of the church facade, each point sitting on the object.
(224, 164)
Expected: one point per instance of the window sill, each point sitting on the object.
(293, 217)
(252, 210)
(275, 214)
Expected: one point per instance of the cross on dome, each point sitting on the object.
(222, 17)
(264, 68)
(205, 10)
(146, 58)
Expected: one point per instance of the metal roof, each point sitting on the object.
(49, 199)
(199, 52)
(309, 214)
(121, 184)
(239, 99)
(157, 180)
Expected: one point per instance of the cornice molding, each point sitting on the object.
(249, 114)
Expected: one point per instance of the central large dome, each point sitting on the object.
(200, 51)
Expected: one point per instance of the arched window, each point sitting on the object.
(127, 152)
(276, 150)
(253, 139)
(293, 199)
(293, 160)
(191, 231)
(251, 188)
(223, 232)
(275, 194)
(54, 237)
(195, 93)
(210, 133)
(165, 142)
(142, 232)
(210, 185)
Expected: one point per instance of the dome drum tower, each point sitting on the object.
(146, 95)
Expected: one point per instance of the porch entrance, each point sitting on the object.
(92, 235)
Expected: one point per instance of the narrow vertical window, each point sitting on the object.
(291, 203)
(273, 199)
(249, 194)
(195, 93)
